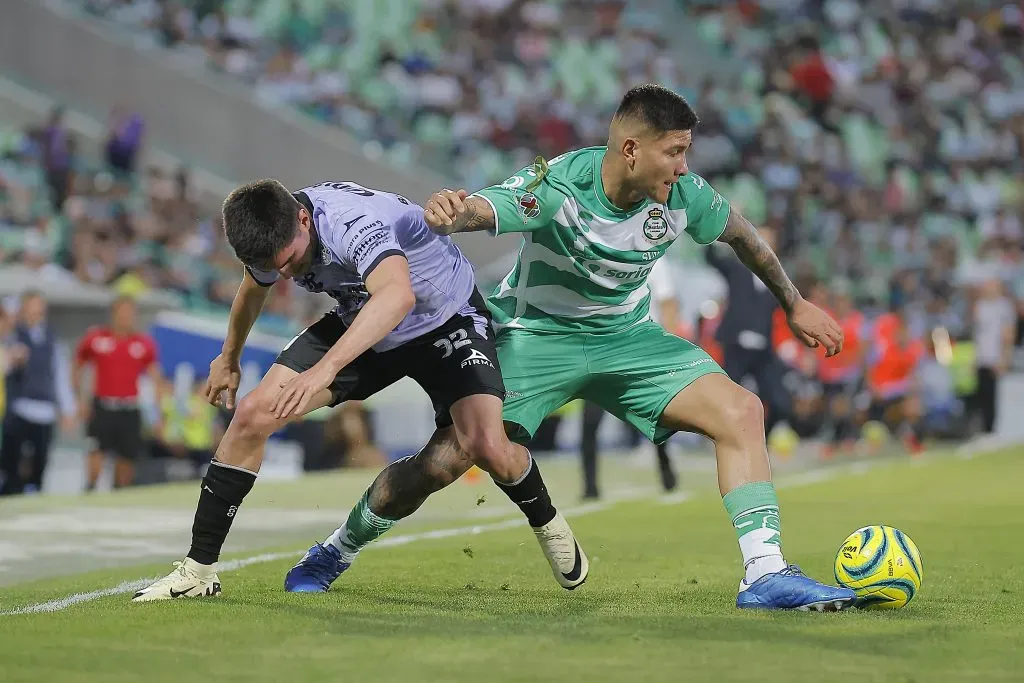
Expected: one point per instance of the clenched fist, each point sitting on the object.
(445, 211)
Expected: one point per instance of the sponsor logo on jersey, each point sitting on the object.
(529, 206)
(655, 226)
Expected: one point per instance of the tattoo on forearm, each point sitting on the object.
(756, 255)
(401, 488)
(478, 216)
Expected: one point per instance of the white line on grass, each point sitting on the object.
(632, 494)
(230, 565)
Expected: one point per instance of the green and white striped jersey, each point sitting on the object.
(584, 263)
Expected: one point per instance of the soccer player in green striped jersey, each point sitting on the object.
(572, 318)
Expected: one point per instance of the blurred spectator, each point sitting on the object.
(119, 355)
(994, 330)
(58, 153)
(38, 390)
(891, 377)
(189, 428)
(124, 140)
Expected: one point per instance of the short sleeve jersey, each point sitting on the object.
(584, 263)
(356, 229)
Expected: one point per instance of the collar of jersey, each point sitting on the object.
(602, 199)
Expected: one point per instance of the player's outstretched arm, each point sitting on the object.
(809, 323)
(451, 211)
(757, 255)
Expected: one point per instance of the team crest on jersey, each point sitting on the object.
(529, 206)
(655, 226)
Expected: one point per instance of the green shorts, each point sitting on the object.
(633, 374)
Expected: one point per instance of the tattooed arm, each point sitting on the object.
(809, 323)
(757, 255)
(448, 212)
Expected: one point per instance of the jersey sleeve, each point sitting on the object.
(364, 240)
(706, 210)
(521, 203)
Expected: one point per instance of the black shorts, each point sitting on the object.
(117, 431)
(450, 363)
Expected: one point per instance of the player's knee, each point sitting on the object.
(252, 418)
(744, 414)
(491, 450)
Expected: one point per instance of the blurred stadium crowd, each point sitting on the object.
(880, 140)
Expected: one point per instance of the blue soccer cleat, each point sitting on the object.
(791, 589)
(316, 571)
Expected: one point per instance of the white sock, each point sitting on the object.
(338, 541)
(759, 566)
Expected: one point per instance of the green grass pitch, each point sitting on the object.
(481, 607)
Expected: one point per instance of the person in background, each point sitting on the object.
(38, 392)
(124, 139)
(994, 331)
(58, 152)
(119, 354)
(842, 375)
(942, 413)
(664, 310)
(200, 428)
(745, 332)
(891, 377)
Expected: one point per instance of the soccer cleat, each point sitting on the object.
(568, 562)
(188, 580)
(316, 571)
(791, 589)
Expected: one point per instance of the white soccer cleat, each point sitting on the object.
(567, 560)
(188, 580)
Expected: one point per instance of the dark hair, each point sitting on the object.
(260, 219)
(657, 107)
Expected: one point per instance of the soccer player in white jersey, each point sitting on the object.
(572, 315)
(407, 305)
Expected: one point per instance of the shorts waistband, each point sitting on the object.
(115, 403)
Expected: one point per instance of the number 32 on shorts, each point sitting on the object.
(455, 340)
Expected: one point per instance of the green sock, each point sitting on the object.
(754, 511)
(361, 527)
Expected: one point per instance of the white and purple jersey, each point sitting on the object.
(356, 229)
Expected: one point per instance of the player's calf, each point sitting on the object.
(228, 481)
(732, 417)
(397, 492)
(481, 435)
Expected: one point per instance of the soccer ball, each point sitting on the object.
(881, 565)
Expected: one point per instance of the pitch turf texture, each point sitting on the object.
(482, 606)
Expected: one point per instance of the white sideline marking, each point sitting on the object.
(229, 565)
(802, 479)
